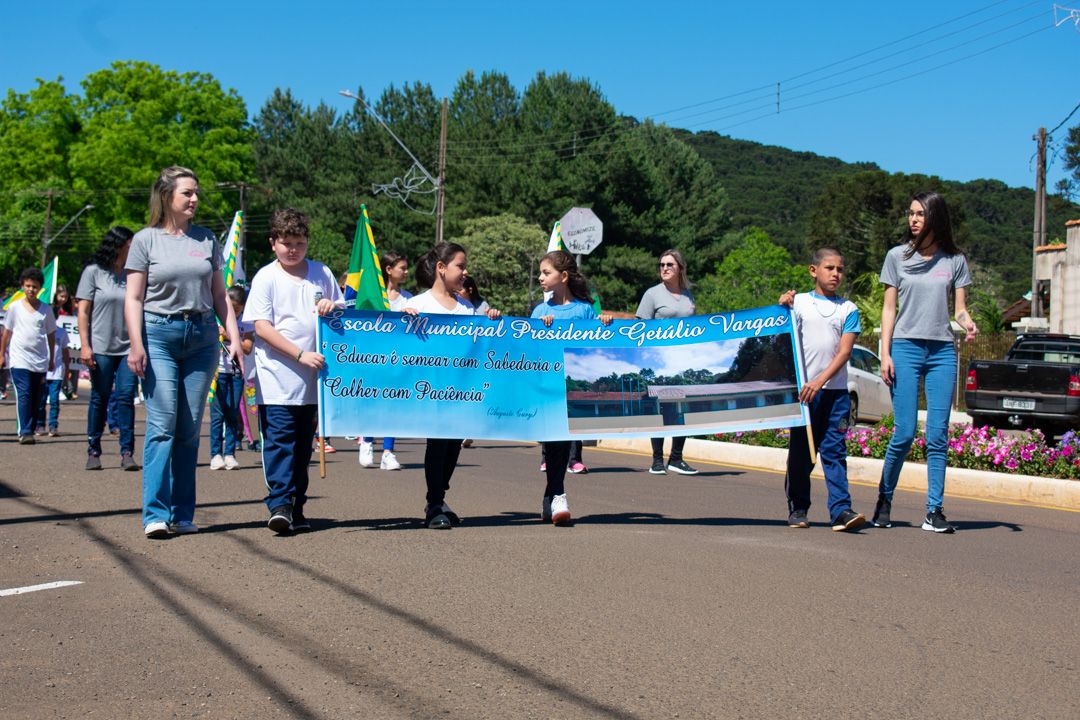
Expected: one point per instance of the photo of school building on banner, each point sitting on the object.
(446, 376)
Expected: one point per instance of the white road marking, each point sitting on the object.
(35, 588)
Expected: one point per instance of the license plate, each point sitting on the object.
(1010, 404)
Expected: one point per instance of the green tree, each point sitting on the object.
(754, 275)
(503, 253)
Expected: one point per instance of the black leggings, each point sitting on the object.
(676, 449)
(440, 459)
(557, 455)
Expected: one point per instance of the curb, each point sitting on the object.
(1050, 492)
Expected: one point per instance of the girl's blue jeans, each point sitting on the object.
(933, 362)
(182, 352)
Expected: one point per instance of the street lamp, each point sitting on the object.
(48, 241)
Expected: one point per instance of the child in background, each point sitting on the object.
(54, 379)
(827, 327)
(443, 269)
(395, 269)
(30, 335)
(228, 401)
(285, 297)
(64, 304)
(569, 300)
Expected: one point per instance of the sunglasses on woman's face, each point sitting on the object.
(667, 265)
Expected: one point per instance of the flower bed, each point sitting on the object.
(972, 448)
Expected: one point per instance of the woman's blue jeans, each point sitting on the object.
(111, 370)
(182, 352)
(934, 362)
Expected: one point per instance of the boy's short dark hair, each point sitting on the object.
(825, 252)
(237, 294)
(32, 273)
(288, 222)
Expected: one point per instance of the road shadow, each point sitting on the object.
(984, 525)
(57, 517)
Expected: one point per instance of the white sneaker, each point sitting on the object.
(217, 462)
(389, 461)
(156, 529)
(545, 509)
(560, 510)
(184, 527)
(367, 454)
(138, 399)
(230, 462)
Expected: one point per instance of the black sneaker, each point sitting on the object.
(126, 463)
(935, 522)
(848, 520)
(299, 522)
(93, 462)
(881, 513)
(658, 467)
(681, 467)
(27, 439)
(281, 519)
(797, 519)
(435, 518)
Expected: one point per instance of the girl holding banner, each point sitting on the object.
(570, 300)
(670, 299)
(446, 264)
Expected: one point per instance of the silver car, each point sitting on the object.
(870, 396)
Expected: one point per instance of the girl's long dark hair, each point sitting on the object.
(563, 261)
(109, 248)
(936, 222)
(389, 259)
(68, 307)
(427, 265)
(472, 291)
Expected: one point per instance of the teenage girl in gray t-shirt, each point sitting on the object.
(923, 274)
(670, 299)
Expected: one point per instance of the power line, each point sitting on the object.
(1065, 120)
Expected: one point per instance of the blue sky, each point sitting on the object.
(971, 119)
(592, 363)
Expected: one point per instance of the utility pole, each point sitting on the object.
(1039, 233)
(48, 230)
(440, 203)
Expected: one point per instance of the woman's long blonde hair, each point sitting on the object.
(162, 190)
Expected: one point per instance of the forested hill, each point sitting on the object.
(781, 191)
(770, 186)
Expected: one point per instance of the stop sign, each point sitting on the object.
(582, 231)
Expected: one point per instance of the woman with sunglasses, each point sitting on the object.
(670, 299)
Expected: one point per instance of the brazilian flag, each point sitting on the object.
(365, 288)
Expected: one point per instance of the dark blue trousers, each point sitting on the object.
(829, 419)
(288, 432)
(29, 395)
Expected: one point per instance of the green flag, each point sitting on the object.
(48, 288)
(365, 288)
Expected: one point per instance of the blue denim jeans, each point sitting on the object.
(181, 355)
(829, 412)
(387, 443)
(29, 389)
(52, 395)
(111, 370)
(225, 414)
(934, 362)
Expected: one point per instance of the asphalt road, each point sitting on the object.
(669, 597)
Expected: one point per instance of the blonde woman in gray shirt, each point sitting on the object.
(670, 299)
(174, 289)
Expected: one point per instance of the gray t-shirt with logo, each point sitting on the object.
(924, 288)
(105, 290)
(659, 304)
(179, 269)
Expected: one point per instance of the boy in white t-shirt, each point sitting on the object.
(827, 327)
(282, 304)
(30, 336)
